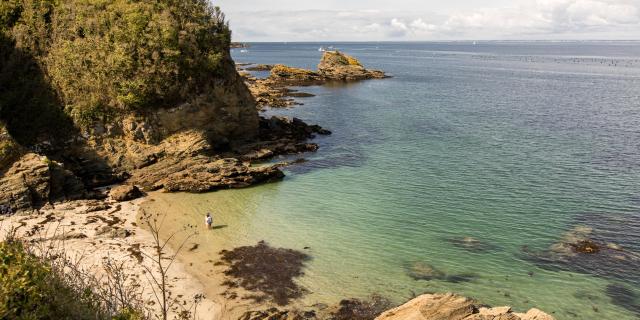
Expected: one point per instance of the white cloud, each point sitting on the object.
(537, 19)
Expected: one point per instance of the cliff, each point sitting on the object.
(101, 90)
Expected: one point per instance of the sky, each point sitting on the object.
(423, 20)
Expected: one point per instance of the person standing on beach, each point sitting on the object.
(208, 220)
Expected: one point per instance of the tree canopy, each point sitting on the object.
(104, 57)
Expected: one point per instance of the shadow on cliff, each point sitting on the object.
(28, 105)
(34, 116)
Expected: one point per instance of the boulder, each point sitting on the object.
(125, 193)
(449, 306)
(535, 314)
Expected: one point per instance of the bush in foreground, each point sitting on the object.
(33, 288)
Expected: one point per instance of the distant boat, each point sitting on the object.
(244, 51)
(474, 43)
(321, 49)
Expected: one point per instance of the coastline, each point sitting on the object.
(195, 271)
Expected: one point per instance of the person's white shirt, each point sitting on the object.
(208, 220)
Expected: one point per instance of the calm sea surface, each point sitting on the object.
(512, 144)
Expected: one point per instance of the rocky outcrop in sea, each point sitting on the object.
(274, 90)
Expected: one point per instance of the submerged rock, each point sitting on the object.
(472, 244)
(424, 271)
(603, 245)
(449, 306)
(624, 297)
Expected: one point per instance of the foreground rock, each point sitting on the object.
(453, 307)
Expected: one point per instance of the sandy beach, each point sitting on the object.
(91, 232)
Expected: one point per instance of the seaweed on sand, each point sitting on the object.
(356, 309)
(267, 270)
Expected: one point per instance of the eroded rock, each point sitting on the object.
(450, 306)
(33, 181)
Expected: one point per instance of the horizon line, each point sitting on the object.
(463, 40)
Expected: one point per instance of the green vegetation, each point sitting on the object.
(95, 59)
(32, 288)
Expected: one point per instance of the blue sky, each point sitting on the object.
(377, 20)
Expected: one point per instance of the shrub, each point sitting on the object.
(33, 288)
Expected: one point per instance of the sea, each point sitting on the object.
(460, 173)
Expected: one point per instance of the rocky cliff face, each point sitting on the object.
(224, 115)
(145, 91)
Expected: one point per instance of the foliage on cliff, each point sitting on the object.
(99, 58)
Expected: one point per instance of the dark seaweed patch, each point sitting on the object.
(267, 271)
(624, 297)
(427, 272)
(356, 309)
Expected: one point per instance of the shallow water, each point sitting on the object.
(508, 143)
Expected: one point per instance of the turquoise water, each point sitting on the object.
(512, 144)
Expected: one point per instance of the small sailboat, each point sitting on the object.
(321, 49)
